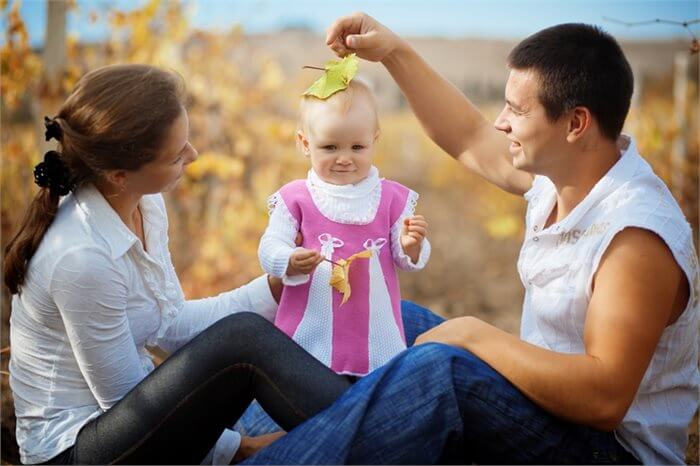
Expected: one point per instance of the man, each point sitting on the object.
(605, 369)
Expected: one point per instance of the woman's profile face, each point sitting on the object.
(163, 173)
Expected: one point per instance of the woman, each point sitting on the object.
(93, 284)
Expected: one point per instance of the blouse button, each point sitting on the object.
(536, 228)
(535, 238)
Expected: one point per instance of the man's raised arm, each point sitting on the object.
(447, 116)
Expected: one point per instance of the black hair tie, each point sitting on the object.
(53, 129)
(53, 174)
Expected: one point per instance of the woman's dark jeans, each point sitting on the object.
(176, 414)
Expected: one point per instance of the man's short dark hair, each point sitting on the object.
(579, 65)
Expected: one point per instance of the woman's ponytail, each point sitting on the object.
(22, 247)
(54, 178)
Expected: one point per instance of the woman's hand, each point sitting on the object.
(251, 445)
(414, 231)
(276, 286)
(361, 34)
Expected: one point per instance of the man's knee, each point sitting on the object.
(430, 355)
(435, 356)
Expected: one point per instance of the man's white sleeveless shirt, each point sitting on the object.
(557, 265)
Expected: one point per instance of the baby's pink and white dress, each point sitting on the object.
(367, 331)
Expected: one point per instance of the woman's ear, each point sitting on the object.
(117, 179)
(579, 121)
(376, 135)
(303, 143)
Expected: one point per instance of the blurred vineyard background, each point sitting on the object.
(242, 96)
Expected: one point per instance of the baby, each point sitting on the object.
(343, 208)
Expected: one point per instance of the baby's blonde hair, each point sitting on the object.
(340, 101)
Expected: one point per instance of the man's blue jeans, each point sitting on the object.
(416, 320)
(436, 404)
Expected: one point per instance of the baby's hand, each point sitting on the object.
(303, 261)
(415, 229)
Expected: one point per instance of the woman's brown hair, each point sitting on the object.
(116, 118)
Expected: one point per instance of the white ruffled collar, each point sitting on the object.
(354, 204)
(362, 188)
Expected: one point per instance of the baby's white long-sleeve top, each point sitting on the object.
(354, 204)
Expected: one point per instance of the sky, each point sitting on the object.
(510, 19)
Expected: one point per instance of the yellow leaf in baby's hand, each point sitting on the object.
(340, 274)
(339, 278)
(360, 255)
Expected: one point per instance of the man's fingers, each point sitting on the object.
(423, 337)
(341, 27)
(335, 29)
(339, 49)
(351, 33)
(361, 41)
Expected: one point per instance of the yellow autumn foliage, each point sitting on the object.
(242, 111)
(216, 165)
(241, 104)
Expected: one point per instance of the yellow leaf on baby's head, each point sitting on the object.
(335, 78)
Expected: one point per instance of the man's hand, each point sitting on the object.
(454, 332)
(361, 34)
(447, 116)
(638, 290)
(303, 261)
(414, 231)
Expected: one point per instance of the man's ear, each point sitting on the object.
(580, 121)
(303, 143)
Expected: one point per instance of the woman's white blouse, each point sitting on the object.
(92, 300)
